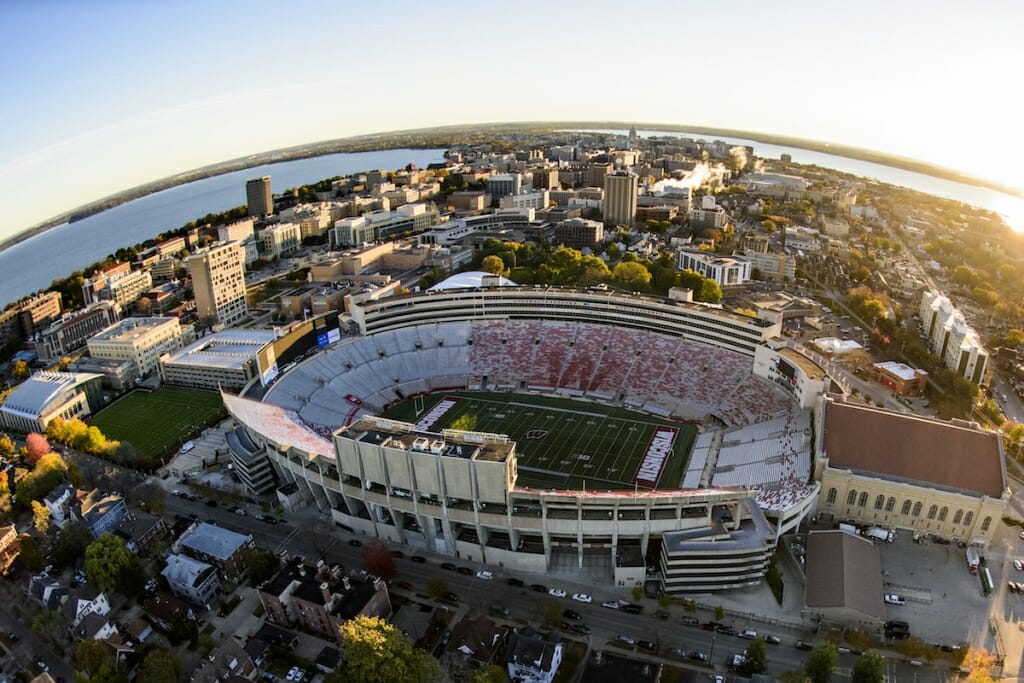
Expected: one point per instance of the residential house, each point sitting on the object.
(84, 601)
(47, 590)
(479, 639)
(534, 657)
(191, 580)
(94, 626)
(161, 609)
(58, 502)
(225, 550)
(140, 530)
(228, 662)
(99, 512)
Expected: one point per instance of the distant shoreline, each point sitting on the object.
(445, 136)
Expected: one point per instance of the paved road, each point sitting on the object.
(28, 648)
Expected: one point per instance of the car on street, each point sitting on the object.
(632, 608)
(894, 599)
(689, 621)
(539, 588)
(804, 645)
(646, 645)
(448, 566)
(1018, 565)
(398, 553)
(405, 585)
(582, 597)
(1022, 534)
(356, 543)
(625, 639)
(512, 581)
(726, 630)
(582, 629)
(418, 559)
(611, 604)
(451, 597)
(211, 503)
(662, 614)
(571, 614)
(747, 633)
(697, 656)
(239, 511)
(465, 571)
(485, 575)
(556, 593)
(772, 640)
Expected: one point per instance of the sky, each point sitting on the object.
(102, 96)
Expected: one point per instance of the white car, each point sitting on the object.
(484, 574)
(749, 634)
(894, 599)
(1018, 565)
(582, 597)
(611, 604)
(556, 592)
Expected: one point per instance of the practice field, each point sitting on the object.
(159, 421)
(565, 443)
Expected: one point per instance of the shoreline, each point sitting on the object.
(444, 137)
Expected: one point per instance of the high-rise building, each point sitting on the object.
(620, 191)
(258, 197)
(218, 280)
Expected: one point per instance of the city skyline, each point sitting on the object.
(109, 96)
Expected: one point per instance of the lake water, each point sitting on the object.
(33, 264)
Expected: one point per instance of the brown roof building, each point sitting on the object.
(904, 471)
(844, 578)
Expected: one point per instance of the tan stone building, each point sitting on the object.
(911, 473)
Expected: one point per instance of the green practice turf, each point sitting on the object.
(561, 443)
(159, 421)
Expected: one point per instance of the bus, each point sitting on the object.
(986, 581)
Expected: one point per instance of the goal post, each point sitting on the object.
(418, 405)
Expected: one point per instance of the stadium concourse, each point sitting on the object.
(714, 525)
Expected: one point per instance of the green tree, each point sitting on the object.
(262, 565)
(709, 291)
(870, 668)
(40, 517)
(160, 666)
(205, 644)
(821, 663)
(491, 673)
(719, 613)
(72, 540)
(376, 652)
(31, 554)
(664, 600)
(756, 661)
(111, 566)
(43, 478)
(181, 629)
(436, 588)
(631, 275)
(94, 663)
(493, 265)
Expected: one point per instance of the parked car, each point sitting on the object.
(804, 645)
(726, 630)
(646, 645)
(698, 656)
(894, 599)
(625, 639)
(689, 621)
(556, 593)
(539, 588)
(747, 633)
(582, 597)
(571, 614)
(1018, 565)
(518, 583)
(465, 571)
(611, 604)
(582, 629)
(772, 640)
(356, 543)
(448, 566)
(451, 597)
(632, 608)
(485, 575)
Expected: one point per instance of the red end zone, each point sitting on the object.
(658, 452)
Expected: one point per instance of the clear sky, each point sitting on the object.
(101, 96)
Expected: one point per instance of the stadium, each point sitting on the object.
(552, 430)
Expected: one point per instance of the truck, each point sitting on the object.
(972, 560)
(880, 534)
(849, 528)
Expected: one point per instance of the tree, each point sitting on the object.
(436, 588)
(979, 662)
(710, 291)
(110, 565)
(31, 554)
(6, 446)
(263, 565)
(94, 663)
(719, 613)
(376, 652)
(160, 666)
(72, 540)
(378, 559)
(870, 668)
(19, 370)
(181, 629)
(492, 673)
(48, 472)
(821, 662)
(631, 275)
(36, 447)
(756, 661)
(492, 264)
(40, 517)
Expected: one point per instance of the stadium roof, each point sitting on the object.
(228, 349)
(470, 279)
(32, 396)
(282, 426)
(844, 571)
(910, 448)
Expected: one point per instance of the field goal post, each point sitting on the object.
(417, 403)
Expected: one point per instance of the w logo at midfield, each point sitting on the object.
(536, 434)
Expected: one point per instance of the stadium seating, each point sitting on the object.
(659, 373)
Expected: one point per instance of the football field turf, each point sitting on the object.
(159, 421)
(561, 443)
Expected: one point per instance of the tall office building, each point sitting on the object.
(620, 190)
(258, 197)
(218, 281)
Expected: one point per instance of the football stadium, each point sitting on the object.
(551, 430)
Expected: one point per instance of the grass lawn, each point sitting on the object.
(158, 422)
(562, 443)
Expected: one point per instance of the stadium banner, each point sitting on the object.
(435, 413)
(658, 452)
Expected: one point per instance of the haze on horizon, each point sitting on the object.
(100, 97)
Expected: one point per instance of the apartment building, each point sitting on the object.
(620, 196)
(141, 340)
(218, 281)
(71, 331)
(258, 197)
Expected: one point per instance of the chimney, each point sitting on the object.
(325, 590)
(347, 583)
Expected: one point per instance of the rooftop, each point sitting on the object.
(450, 443)
(214, 541)
(32, 396)
(280, 425)
(229, 349)
(131, 329)
(901, 370)
(910, 448)
(844, 571)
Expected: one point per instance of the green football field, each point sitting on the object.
(562, 443)
(158, 422)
